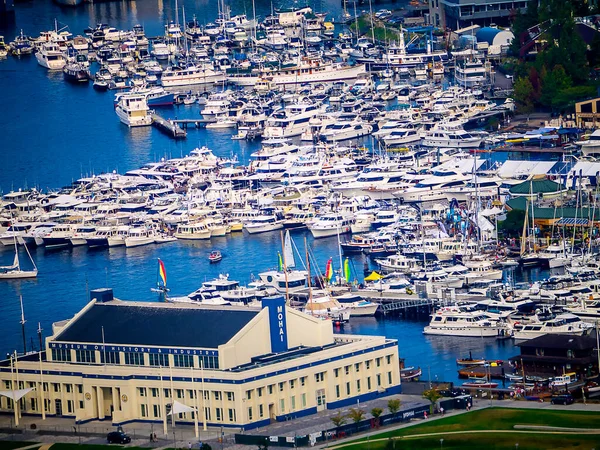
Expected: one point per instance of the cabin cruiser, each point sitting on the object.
(290, 281)
(264, 223)
(50, 56)
(193, 231)
(330, 225)
(133, 110)
(454, 321)
(566, 323)
(451, 138)
(291, 121)
(358, 307)
(399, 263)
(191, 76)
(432, 188)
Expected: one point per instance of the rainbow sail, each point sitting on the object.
(162, 272)
(329, 270)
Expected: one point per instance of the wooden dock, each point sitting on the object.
(198, 123)
(169, 127)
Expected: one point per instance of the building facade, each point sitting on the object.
(455, 14)
(238, 367)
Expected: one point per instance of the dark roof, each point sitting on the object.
(544, 186)
(158, 326)
(561, 341)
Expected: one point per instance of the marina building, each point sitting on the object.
(236, 366)
(457, 14)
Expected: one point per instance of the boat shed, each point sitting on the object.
(587, 113)
(232, 366)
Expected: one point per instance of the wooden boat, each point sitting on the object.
(470, 362)
(479, 383)
(215, 256)
(410, 373)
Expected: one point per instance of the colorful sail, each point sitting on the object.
(162, 272)
(280, 262)
(329, 270)
(347, 273)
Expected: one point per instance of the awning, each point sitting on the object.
(373, 277)
(571, 221)
(17, 394)
(179, 408)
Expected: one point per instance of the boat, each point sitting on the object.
(161, 275)
(193, 231)
(50, 56)
(133, 110)
(264, 223)
(456, 322)
(191, 76)
(330, 225)
(480, 383)
(566, 323)
(215, 256)
(410, 373)
(138, 237)
(76, 72)
(14, 271)
(470, 361)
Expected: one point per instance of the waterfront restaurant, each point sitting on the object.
(236, 366)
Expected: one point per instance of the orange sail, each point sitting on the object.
(162, 272)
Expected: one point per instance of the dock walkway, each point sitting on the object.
(169, 127)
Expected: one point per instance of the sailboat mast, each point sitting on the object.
(285, 273)
(23, 325)
(308, 270)
(17, 254)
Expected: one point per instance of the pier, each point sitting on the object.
(198, 123)
(169, 127)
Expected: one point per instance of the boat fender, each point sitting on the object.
(409, 291)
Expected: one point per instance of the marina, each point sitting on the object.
(374, 188)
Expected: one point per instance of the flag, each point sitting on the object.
(162, 272)
(329, 270)
(280, 262)
(347, 270)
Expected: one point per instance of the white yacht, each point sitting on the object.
(454, 321)
(193, 231)
(50, 56)
(191, 76)
(432, 188)
(344, 130)
(555, 256)
(133, 110)
(402, 136)
(562, 324)
(398, 263)
(451, 138)
(590, 145)
(330, 225)
(138, 237)
(324, 306)
(469, 74)
(291, 121)
(263, 224)
(292, 281)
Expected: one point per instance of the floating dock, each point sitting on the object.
(169, 127)
(198, 123)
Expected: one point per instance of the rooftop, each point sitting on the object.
(155, 324)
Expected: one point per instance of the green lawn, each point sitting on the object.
(494, 419)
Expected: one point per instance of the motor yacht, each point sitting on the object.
(454, 321)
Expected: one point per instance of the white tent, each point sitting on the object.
(513, 169)
(17, 394)
(179, 408)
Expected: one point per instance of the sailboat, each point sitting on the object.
(14, 271)
(161, 276)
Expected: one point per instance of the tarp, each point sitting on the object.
(513, 169)
(587, 169)
(373, 277)
(17, 394)
(179, 408)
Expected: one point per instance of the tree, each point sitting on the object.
(433, 395)
(356, 414)
(594, 53)
(513, 224)
(553, 83)
(376, 413)
(394, 405)
(523, 91)
(339, 419)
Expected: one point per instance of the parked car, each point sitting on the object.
(565, 399)
(118, 437)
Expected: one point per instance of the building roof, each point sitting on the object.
(127, 323)
(561, 341)
(551, 213)
(543, 186)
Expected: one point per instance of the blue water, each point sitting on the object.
(54, 132)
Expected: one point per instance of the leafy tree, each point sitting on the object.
(536, 82)
(339, 419)
(376, 413)
(513, 224)
(553, 83)
(594, 53)
(394, 405)
(433, 395)
(356, 414)
(523, 93)
(568, 97)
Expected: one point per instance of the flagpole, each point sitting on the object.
(195, 394)
(12, 383)
(287, 290)
(202, 386)
(172, 394)
(162, 403)
(42, 402)
(17, 376)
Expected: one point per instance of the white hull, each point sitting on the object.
(349, 73)
(76, 242)
(18, 274)
(138, 121)
(116, 241)
(193, 236)
(263, 228)
(353, 134)
(363, 311)
(138, 242)
(447, 143)
(195, 80)
(328, 232)
(463, 331)
(524, 335)
(57, 64)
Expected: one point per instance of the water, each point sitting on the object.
(54, 133)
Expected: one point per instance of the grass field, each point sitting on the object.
(502, 420)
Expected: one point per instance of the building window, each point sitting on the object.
(209, 362)
(347, 370)
(303, 400)
(156, 410)
(320, 377)
(282, 405)
(292, 384)
(191, 394)
(81, 404)
(348, 388)
(570, 354)
(337, 390)
(80, 388)
(293, 402)
(154, 392)
(207, 413)
(270, 388)
(183, 360)
(389, 359)
(61, 354)
(336, 373)
(249, 395)
(281, 385)
(358, 386)
(179, 393)
(378, 379)
(219, 414)
(134, 359)
(110, 358)
(70, 406)
(217, 395)
(231, 415)
(302, 381)
(143, 410)
(230, 396)
(33, 404)
(56, 387)
(389, 378)
(167, 393)
(85, 356)
(368, 364)
(261, 411)
(68, 388)
(378, 362)
(357, 367)
(250, 413)
(142, 392)
(159, 359)
(368, 383)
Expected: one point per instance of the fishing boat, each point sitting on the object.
(410, 373)
(215, 256)
(14, 271)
